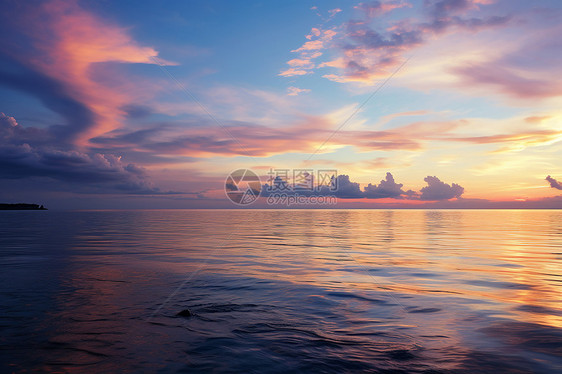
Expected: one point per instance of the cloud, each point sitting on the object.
(445, 14)
(536, 119)
(12, 133)
(373, 9)
(293, 72)
(516, 141)
(299, 62)
(202, 138)
(295, 91)
(369, 49)
(334, 11)
(66, 47)
(554, 183)
(504, 48)
(7, 122)
(24, 153)
(438, 190)
(507, 81)
(387, 188)
(347, 189)
(106, 172)
(317, 40)
(53, 94)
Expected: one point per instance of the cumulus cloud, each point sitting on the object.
(7, 122)
(438, 190)
(554, 183)
(387, 188)
(347, 189)
(12, 133)
(24, 154)
(106, 172)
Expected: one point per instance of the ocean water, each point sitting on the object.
(291, 291)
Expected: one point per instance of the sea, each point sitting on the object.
(281, 291)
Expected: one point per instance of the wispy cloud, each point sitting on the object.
(295, 91)
(312, 49)
(508, 81)
(70, 45)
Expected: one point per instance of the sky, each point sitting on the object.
(414, 103)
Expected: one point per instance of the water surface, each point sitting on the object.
(281, 291)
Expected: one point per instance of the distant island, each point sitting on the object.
(22, 206)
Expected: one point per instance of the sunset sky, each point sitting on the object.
(152, 104)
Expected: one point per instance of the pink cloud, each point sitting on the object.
(302, 136)
(299, 62)
(308, 52)
(367, 51)
(507, 81)
(374, 9)
(295, 91)
(292, 72)
(335, 11)
(73, 42)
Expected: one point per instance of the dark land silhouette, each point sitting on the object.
(22, 206)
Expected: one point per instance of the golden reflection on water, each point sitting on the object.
(450, 282)
(511, 258)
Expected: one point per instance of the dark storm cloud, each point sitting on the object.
(554, 183)
(103, 171)
(23, 154)
(438, 190)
